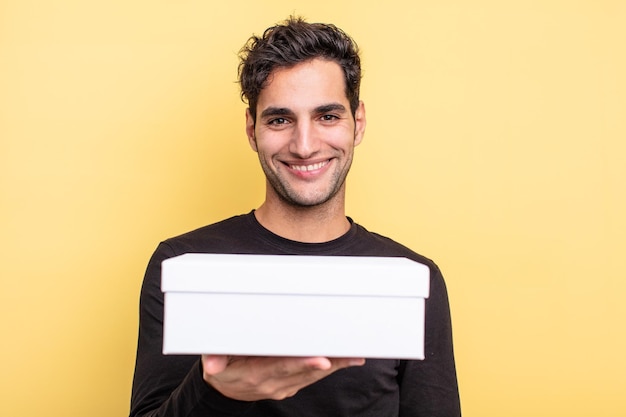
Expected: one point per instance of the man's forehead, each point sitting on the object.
(310, 84)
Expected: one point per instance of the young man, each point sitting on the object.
(304, 119)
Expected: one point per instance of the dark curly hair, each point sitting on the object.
(290, 43)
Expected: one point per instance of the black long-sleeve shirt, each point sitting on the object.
(172, 385)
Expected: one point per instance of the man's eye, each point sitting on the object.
(329, 117)
(278, 121)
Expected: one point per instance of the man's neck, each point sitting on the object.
(304, 224)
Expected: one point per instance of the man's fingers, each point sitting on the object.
(316, 369)
(254, 378)
(299, 365)
(309, 364)
(340, 363)
(214, 364)
(345, 362)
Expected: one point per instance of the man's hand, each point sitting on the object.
(250, 378)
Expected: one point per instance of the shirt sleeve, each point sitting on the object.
(169, 385)
(430, 387)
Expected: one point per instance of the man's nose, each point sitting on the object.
(305, 141)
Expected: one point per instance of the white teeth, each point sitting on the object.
(311, 167)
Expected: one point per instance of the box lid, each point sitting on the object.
(295, 274)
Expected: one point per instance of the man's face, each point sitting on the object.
(305, 133)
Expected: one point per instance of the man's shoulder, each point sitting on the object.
(375, 244)
(215, 237)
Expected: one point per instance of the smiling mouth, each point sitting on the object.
(306, 168)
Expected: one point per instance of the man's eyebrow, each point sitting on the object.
(331, 107)
(276, 111)
(284, 111)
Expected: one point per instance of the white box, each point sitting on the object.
(291, 305)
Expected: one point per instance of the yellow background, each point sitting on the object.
(495, 145)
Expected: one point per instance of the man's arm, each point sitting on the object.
(169, 385)
(429, 387)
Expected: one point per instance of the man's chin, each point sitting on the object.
(304, 202)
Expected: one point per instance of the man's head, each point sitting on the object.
(293, 42)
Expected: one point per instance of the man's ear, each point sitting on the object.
(250, 130)
(359, 123)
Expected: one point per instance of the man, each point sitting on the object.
(301, 82)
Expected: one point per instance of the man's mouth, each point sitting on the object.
(306, 168)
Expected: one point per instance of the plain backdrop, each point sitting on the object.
(495, 145)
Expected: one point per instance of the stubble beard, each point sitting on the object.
(292, 197)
